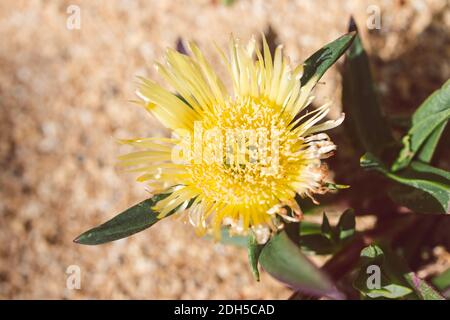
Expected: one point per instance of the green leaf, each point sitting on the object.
(336, 187)
(372, 252)
(422, 288)
(391, 283)
(317, 64)
(284, 261)
(325, 239)
(442, 283)
(307, 228)
(426, 152)
(418, 200)
(125, 224)
(326, 227)
(428, 123)
(414, 199)
(254, 251)
(317, 244)
(420, 176)
(439, 174)
(364, 122)
(346, 225)
(437, 102)
(390, 291)
(396, 280)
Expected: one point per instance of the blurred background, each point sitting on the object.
(64, 100)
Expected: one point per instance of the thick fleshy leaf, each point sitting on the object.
(317, 64)
(420, 176)
(125, 224)
(254, 250)
(281, 258)
(365, 123)
(428, 123)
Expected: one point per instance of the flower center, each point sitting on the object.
(257, 153)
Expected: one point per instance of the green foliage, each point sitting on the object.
(396, 281)
(283, 259)
(422, 289)
(415, 199)
(417, 185)
(428, 123)
(336, 187)
(327, 239)
(428, 149)
(442, 283)
(125, 224)
(420, 176)
(365, 122)
(422, 188)
(317, 64)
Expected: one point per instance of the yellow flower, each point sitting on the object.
(237, 160)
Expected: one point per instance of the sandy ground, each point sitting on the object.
(63, 100)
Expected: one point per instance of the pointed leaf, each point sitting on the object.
(316, 65)
(364, 120)
(324, 239)
(127, 223)
(326, 227)
(285, 262)
(346, 225)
